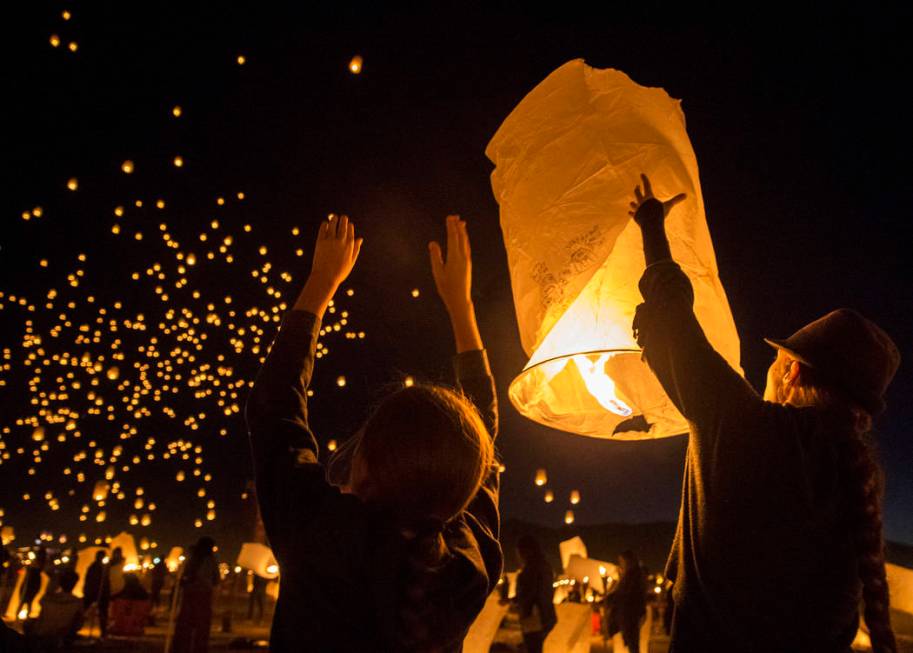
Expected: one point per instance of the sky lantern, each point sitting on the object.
(569, 517)
(575, 497)
(541, 477)
(549, 496)
(355, 65)
(100, 492)
(567, 160)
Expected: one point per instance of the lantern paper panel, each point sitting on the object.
(259, 559)
(566, 162)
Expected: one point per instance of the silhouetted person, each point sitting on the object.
(31, 585)
(96, 590)
(159, 573)
(535, 594)
(780, 530)
(60, 619)
(197, 581)
(627, 603)
(256, 598)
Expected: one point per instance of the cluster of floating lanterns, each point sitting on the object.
(540, 479)
(146, 380)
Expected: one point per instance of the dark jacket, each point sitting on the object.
(339, 557)
(628, 602)
(762, 559)
(535, 588)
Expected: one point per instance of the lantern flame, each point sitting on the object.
(598, 383)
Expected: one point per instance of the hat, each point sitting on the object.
(849, 351)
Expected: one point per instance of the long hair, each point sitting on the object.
(198, 553)
(421, 456)
(862, 496)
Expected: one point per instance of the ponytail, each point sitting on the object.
(865, 519)
(863, 489)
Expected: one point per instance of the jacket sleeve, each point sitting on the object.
(699, 381)
(284, 448)
(474, 378)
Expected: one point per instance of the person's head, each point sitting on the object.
(422, 454)
(204, 546)
(420, 458)
(117, 555)
(530, 549)
(627, 560)
(131, 580)
(100, 555)
(67, 580)
(842, 363)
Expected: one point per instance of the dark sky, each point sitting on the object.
(797, 126)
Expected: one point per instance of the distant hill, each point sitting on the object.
(651, 542)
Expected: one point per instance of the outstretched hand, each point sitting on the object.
(453, 276)
(453, 279)
(642, 209)
(335, 253)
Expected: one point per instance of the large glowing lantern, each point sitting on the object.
(566, 162)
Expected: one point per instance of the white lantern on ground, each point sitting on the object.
(567, 160)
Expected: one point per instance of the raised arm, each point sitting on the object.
(283, 446)
(453, 279)
(698, 380)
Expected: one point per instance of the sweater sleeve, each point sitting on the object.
(474, 378)
(699, 381)
(284, 448)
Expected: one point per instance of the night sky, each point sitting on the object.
(799, 134)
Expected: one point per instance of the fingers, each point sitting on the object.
(437, 258)
(342, 227)
(464, 240)
(638, 196)
(324, 230)
(678, 199)
(648, 189)
(453, 235)
(357, 250)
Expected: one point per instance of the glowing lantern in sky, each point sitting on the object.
(569, 517)
(541, 477)
(567, 160)
(355, 65)
(100, 492)
(575, 497)
(549, 496)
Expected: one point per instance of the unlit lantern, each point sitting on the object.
(567, 160)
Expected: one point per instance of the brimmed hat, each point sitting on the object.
(848, 351)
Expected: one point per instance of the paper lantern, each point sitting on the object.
(569, 517)
(541, 477)
(100, 492)
(259, 559)
(575, 497)
(567, 160)
(549, 496)
(571, 547)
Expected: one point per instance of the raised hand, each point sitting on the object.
(453, 276)
(642, 209)
(335, 253)
(453, 279)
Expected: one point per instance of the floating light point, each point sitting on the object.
(178, 161)
(73, 183)
(55, 41)
(415, 292)
(569, 517)
(355, 65)
(408, 382)
(575, 497)
(331, 445)
(541, 477)
(341, 381)
(127, 167)
(241, 60)
(66, 15)
(176, 111)
(549, 496)
(73, 46)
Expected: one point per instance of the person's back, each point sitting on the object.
(60, 617)
(402, 554)
(780, 532)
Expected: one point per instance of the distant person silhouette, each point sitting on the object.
(627, 602)
(197, 582)
(535, 594)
